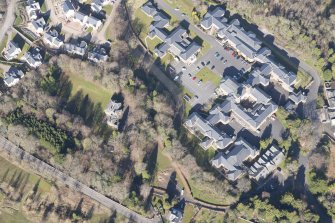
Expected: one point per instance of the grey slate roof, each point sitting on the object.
(51, 37)
(297, 97)
(260, 76)
(98, 54)
(149, 9)
(231, 87)
(76, 48)
(12, 76)
(266, 164)
(214, 18)
(246, 42)
(214, 137)
(33, 57)
(232, 161)
(11, 51)
(67, 6)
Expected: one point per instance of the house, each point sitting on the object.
(38, 25)
(68, 9)
(149, 9)
(329, 88)
(97, 5)
(298, 97)
(176, 215)
(78, 48)
(12, 76)
(214, 20)
(33, 57)
(178, 44)
(276, 72)
(212, 136)
(11, 51)
(266, 163)
(98, 54)
(259, 105)
(51, 38)
(232, 161)
(114, 113)
(32, 9)
(245, 43)
(93, 22)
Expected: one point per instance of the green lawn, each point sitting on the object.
(96, 92)
(303, 80)
(24, 49)
(206, 74)
(152, 43)
(9, 171)
(145, 22)
(15, 217)
(108, 9)
(3, 44)
(189, 212)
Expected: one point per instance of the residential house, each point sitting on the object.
(214, 20)
(78, 48)
(177, 42)
(114, 113)
(33, 57)
(32, 9)
(329, 88)
(149, 9)
(276, 71)
(12, 76)
(51, 38)
(266, 163)
(38, 26)
(176, 215)
(206, 130)
(11, 51)
(68, 9)
(245, 43)
(249, 105)
(232, 161)
(98, 54)
(97, 5)
(298, 97)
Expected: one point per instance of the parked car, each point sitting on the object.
(198, 68)
(199, 82)
(238, 57)
(203, 63)
(196, 96)
(208, 62)
(224, 62)
(176, 78)
(212, 67)
(190, 75)
(183, 68)
(217, 55)
(222, 58)
(193, 78)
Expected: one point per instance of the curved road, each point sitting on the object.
(45, 170)
(9, 18)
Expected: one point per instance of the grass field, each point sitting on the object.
(96, 92)
(206, 74)
(303, 80)
(108, 9)
(3, 43)
(189, 212)
(25, 48)
(15, 217)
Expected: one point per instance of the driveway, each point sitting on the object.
(9, 18)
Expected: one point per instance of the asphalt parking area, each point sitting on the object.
(219, 61)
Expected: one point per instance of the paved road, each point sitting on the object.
(9, 19)
(110, 18)
(48, 171)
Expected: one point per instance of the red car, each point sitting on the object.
(193, 78)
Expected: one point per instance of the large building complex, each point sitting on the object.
(176, 42)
